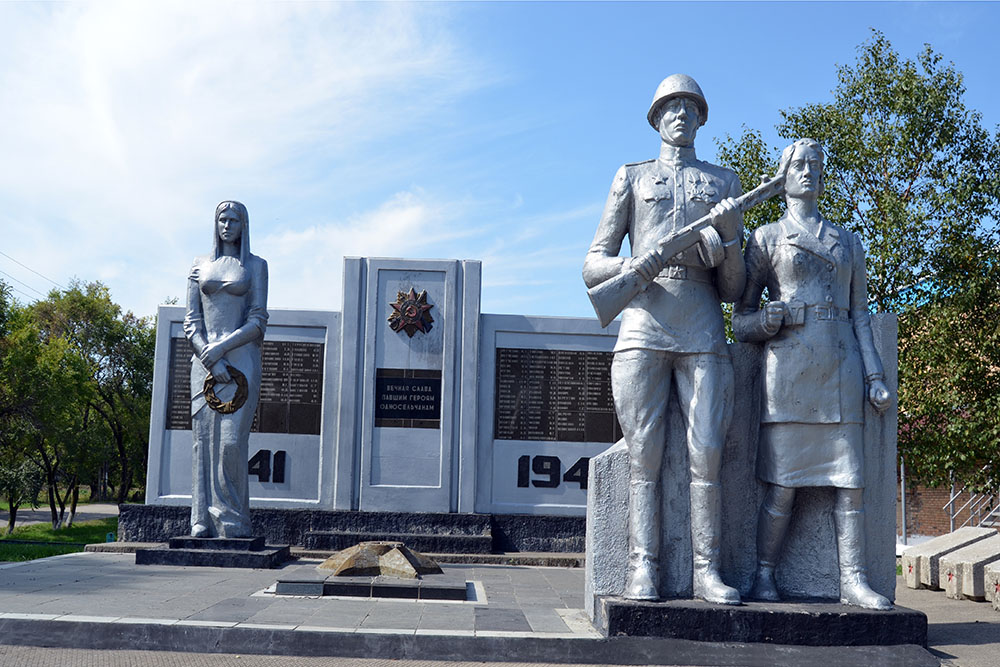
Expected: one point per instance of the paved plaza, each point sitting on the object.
(104, 602)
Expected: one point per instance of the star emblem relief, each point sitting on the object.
(410, 313)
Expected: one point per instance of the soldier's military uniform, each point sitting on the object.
(671, 331)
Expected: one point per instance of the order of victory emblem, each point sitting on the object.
(410, 313)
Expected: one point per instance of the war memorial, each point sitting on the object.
(724, 493)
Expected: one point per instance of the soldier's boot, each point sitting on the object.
(772, 524)
(644, 542)
(706, 521)
(854, 588)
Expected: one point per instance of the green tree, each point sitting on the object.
(914, 173)
(118, 350)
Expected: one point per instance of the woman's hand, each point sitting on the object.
(211, 354)
(774, 315)
(220, 371)
(878, 395)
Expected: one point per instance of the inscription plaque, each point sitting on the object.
(554, 395)
(407, 398)
(291, 387)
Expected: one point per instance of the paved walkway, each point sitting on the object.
(30, 656)
(88, 512)
(533, 614)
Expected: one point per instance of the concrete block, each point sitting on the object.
(962, 571)
(991, 582)
(920, 562)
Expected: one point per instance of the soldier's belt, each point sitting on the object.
(824, 312)
(681, 272)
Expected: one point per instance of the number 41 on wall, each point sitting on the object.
(266, 467)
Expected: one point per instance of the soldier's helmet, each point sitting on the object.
(677, 85)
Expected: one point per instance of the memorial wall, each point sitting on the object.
(471, 413)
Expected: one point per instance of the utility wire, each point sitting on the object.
(20, 281)
(33, 298)
(32, 270)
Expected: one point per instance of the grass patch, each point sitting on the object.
(87, 532)
(22, 552)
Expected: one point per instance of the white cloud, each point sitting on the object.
(306, 265)
(123, 124)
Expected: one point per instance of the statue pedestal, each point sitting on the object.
(248, 552)
(801, 622)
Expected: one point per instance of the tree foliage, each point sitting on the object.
(75, 386)
(914, 173)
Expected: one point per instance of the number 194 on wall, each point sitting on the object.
(546, 472)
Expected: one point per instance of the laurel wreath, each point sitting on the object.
(227, 407)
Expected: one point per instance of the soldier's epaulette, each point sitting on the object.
(636, 164)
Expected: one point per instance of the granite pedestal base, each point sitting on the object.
(432, 587)
(248, 552)
(802, 623)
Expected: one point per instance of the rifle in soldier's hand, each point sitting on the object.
(612, 296)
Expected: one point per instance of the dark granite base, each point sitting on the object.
(803, 623)
(217, 543)
(451, 544)
(508, 532)
(429, 588)
(247, 552)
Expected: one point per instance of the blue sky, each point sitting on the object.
(481, 131)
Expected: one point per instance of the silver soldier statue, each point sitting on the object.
(818, 359)
(225, 322)
(672, 331)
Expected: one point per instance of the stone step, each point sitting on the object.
(963, 571)
(423, 542)
(921, 562)
(266, 558)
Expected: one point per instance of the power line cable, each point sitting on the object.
(33, 298)
(20, 281)
(32, 270)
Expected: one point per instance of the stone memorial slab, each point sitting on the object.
(290, 461)
(991, 584)
(920, 562)
(412, 336)
(962, 571)
(545, 409)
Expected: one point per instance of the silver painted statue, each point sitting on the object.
(225, 322)
(672, 331)
(819, 358)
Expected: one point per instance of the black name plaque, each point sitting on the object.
(407, 398)
(554, 395)
(291, 387)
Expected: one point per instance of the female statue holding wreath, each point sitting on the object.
(225, 322)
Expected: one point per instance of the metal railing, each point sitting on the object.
(983, 508)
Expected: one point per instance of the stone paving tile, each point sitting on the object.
(233, 609)
(545, 620)
(506, 620)
(393, 615)
(463, 619)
